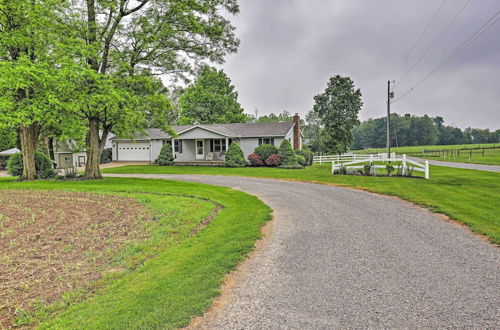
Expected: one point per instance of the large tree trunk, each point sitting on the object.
(29, 145)
(95, 146)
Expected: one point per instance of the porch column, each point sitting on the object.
(173, 147)
(227, 141)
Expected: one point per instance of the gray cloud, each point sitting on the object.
(290, 48)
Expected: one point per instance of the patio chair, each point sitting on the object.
(210, 156)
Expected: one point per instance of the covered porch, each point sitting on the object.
(199, 146)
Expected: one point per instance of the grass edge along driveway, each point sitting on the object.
(468, 196)
(170, 288)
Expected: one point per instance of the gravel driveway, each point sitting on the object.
(340, 258)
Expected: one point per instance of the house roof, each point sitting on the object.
(229, 130)
(9, 152)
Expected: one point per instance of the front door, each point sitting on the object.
(200, 149)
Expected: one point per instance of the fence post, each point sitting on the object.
(333, 167)
(320, 159)
(427, 169)
(404, 165)
(354, 156)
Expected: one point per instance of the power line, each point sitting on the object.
(447, 27)
(420, 37)
(478, 33)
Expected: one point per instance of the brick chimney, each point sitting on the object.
(296, 133)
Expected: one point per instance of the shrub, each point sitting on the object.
(43, 165)
(273, 160)
(265, 150)
(367, 169)
(255, 160)
(234, 156)
(15, 164)
(301, 160)
(307, 154)
(165, 157)
(288, 156)
(106, 156)
(390, 169)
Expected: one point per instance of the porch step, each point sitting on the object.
(199, 163)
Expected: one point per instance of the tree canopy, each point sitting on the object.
(336, 113)
(211, 99)
(411, 130)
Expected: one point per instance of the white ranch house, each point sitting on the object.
(205, 144)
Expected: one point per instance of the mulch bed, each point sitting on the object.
(52, 242)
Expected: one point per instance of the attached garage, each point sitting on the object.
(133, 151)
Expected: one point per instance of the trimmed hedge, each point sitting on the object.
(234, 156)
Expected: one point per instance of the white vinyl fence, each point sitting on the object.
(359, 164)
(349, 157)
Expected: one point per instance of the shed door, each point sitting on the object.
(133, 151)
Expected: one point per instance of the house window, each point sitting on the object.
(218, 145)
(178, 146)
(266, 141)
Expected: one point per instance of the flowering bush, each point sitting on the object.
(255, 160)
(273, 160)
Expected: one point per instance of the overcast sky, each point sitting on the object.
(289, 49)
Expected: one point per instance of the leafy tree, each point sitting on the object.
(166, 156)
(285, 116)
(337, 109)
(131, 42)
(234, 156)
(211, 99)
(36, 71)
(8, 138)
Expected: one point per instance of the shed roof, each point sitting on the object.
(9, 152)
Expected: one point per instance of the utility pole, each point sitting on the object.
(390, 95)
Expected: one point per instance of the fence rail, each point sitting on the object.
(422, 167)
(349, 157)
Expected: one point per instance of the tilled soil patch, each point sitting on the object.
(53, 242)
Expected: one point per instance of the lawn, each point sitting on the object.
(468, 196)
(491, 156)
(169, 271)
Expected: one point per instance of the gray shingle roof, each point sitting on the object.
(229, 130)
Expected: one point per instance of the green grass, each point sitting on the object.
(182, 272)
(468, 196)
(491, 156)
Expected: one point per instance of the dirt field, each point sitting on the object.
(53, 242)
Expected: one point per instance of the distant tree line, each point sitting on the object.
(410, 130)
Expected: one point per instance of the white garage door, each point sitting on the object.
(133, 151)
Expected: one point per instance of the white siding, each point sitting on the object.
(199, 133)
(187, 151)
(156, 146)
(113, 152)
